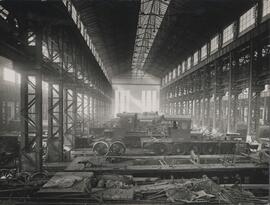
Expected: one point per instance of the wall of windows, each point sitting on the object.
(136, 98)
(246, 21)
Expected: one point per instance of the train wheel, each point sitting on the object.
(101, 148)
(179, 149)
(117, 148)
(160, 149)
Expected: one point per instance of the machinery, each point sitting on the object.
(163, 135)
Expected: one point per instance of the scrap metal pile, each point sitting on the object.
(13, 183)
(110, 187)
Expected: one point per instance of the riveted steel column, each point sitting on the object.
(31, 110)
(55, 122)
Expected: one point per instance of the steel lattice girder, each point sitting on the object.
(55, 122)
(69, 117)
(31, 113)
(150, 18)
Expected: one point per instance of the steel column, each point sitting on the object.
(55, 122)
(229, 113)
(69, 120)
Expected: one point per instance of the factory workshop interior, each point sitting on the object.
(134, 102)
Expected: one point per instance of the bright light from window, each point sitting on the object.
(227, 34)
(183, 66)
(44, 85)
(166, 79)
(247, 19)
(9, 75)
(179, 70)
(195, 58)
(214, 44)
(266, 7)
(203, 52)
(174, 73)
(170, 76)
(18, 78)
(189, 63)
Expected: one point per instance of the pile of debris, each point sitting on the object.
(113, 187)
(13, 183)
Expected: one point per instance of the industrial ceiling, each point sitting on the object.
(185, 27)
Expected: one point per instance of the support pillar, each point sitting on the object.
(220, 113)
(253, 95)
(31, 121)
(69, 117)
(229, 113)
(207, 124)
(55, 122)
(214, 113)
(31, 107)
(235, 115)
(203, 112)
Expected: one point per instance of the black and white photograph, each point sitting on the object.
(134, 102)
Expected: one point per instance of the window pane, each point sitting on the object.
(266, 7)
(214, 44)
(183, 66)
(195, 58)
(9, 75)
(179, 70)
(174, 73)
(247, 19)
(227, 34)
(203, 52)
(189, 63)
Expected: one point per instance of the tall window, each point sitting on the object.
(247, 19)
(122, 101)
(204, 52)
(195, 58)
(174, 73)
(183, 66)
(227, 34)
(214, 43)
(163, 81)
(9, 75)
(149, 100)
(188, 63)
(154, 100)
(266, 7)
(179, 70)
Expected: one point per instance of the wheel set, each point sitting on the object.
(104, 148)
